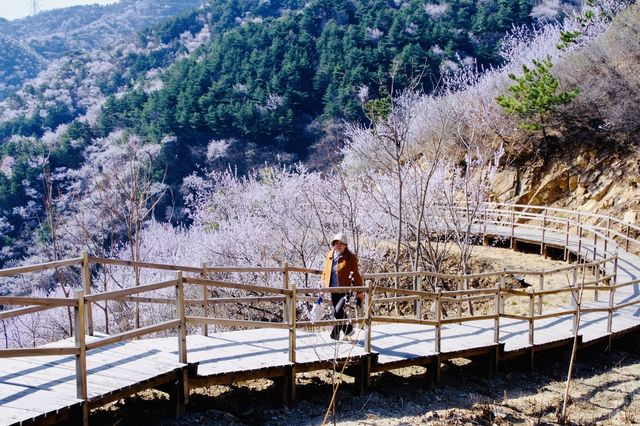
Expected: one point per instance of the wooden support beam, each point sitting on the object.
(81, 356)
(363, 374)
(286, 386)
(437, 371)
(490, 361)
(179, 392)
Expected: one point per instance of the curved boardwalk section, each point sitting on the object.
(65, 379)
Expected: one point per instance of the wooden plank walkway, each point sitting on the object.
(43, 389)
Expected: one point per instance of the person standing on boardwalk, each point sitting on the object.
(341, 270)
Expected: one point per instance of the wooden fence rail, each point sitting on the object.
(429, 306)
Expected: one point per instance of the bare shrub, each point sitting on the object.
(608, 73)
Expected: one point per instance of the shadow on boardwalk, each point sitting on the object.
(606, 389)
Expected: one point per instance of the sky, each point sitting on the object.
(14, 9)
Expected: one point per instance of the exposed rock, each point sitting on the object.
(505, 184)
(593, 180)
(551, 189)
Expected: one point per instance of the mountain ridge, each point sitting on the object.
(53, 34)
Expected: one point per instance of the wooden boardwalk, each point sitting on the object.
(45, 389)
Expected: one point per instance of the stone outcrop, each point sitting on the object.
(589, 180)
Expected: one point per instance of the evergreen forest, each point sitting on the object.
(263, 81)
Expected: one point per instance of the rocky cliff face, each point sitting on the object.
(592, 159)
(589, 179)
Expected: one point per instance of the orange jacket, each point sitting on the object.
(346, 264)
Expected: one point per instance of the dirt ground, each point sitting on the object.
(605, 390)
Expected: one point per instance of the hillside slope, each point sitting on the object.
(28, 45)
(233, 82)
(592, 159)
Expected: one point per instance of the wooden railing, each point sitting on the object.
(81, 302)
(429, 307)
(612, 230)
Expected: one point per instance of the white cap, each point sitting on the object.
(339, 237)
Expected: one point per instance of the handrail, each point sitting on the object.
(48, 351)
(16, 312)
(558, 209)
(183, 268)
(438, 302)
(144, 265)
(237, 286)
(609, 220)
(236, 323)
(40, 267)
(52, 302)
(117, 294)
(128, 335)
(547, 218)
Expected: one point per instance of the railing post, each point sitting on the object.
(615, 268)
(574, 283)
(291, 305)
(574, 296)
(540, 296)
(612, 295)
(595, 247)
(484, 226)
(136, 271)
(566, 242)
(367, 309)
(418, 305)
(579, 255)
(606, 240)
(205, 299)
(531, 315)
(626, 247)
(544, 229)
(597, 272)
(459, 297)
(81, 356)
(513, 224)
(182, 328)
(285, 285)
(496, 321)
(502, 286)
(86, 283)
(438, 315)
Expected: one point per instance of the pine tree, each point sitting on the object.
(534, 95)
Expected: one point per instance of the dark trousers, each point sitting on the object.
(339, 314)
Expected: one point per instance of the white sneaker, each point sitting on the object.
(350, 337)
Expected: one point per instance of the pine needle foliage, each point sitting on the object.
(534, 95)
